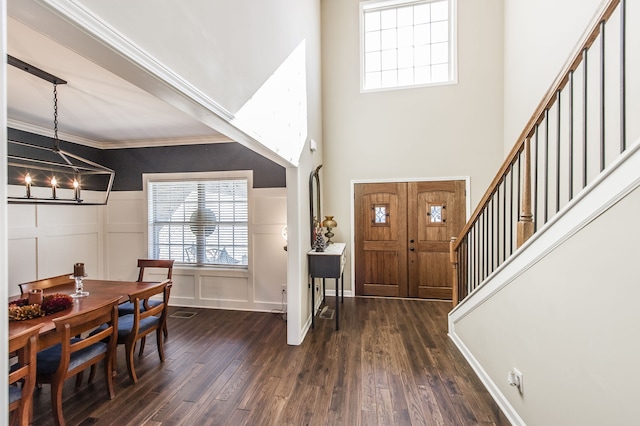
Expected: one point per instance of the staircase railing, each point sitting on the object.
(576, 131)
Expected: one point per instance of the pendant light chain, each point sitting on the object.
(56, 141)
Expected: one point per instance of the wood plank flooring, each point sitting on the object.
(391, 363)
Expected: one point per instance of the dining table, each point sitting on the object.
(100, 291)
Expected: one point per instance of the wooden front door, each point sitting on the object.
(381, 239)
(402, 234)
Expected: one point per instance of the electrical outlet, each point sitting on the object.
(283, 288)
(516, 379)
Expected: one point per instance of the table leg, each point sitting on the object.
(313, 304)
(324, 292)
(337, 304)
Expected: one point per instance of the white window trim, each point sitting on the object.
(453, 45)
(234, 174)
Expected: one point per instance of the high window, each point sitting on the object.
(407, 43)
(200, 222)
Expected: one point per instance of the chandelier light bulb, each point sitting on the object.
(54, 183)
(76, 189)
(27, 182)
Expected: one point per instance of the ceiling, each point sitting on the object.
(95, 107)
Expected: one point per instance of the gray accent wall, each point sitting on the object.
(130, 164)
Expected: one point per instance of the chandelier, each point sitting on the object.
(51, 175)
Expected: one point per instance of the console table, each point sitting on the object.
(327, 264)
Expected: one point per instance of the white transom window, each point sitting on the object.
(407, 43)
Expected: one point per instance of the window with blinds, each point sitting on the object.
(199, 222)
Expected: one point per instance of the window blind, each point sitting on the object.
(200, 222)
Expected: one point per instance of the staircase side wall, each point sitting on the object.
(564, 311)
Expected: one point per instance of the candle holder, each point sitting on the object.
(78, 276)
(79, 288)
(36, 296)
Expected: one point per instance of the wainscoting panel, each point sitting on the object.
(269, 262)
(184, 290)
(23, 260)
(21, 218)
(224, 287)
(46, 240)
(124, 250)
(64, 215)
(129, 210)
(57, 254)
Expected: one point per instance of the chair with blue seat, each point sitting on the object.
(75, 354)
(144, 320)
(24, 345)
(127, 307)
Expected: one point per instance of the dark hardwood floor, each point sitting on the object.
(391, 363)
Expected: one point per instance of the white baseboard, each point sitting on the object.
(507, 409)
(347, 293)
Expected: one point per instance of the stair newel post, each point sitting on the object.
(453, 257)
(525, 224)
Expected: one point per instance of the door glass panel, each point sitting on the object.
(436, 214)
(380, 214)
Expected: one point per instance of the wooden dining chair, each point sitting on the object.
(46, 283)
(127, 308)
(144, 320)
(74, 355)
(25, 346)
(154, 263)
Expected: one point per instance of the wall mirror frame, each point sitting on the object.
(314, 203)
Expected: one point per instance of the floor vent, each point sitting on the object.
(182, 314)
(326, 313)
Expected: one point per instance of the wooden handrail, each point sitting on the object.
(547, 102)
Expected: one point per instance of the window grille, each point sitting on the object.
(199, 222)
(407, 43)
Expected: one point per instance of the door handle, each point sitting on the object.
(412, 249)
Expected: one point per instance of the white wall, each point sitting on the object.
(564, 312)
(538, 38)
(429, 132)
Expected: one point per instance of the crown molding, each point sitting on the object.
(138, 143)
(145, 143)
(44, 131)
